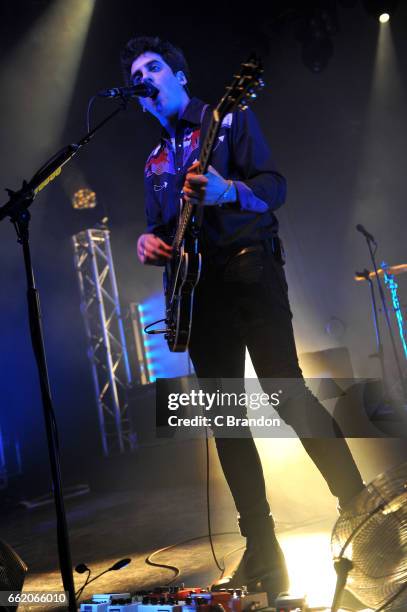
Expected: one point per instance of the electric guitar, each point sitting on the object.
(182, 272)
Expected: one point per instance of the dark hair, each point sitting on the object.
(173, 56)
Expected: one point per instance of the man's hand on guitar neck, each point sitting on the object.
(151, 250)
(209, 189)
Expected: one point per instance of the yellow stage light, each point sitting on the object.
(84, 198)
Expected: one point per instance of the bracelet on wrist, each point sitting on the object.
(222, 200)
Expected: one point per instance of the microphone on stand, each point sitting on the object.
(82, 568)
(119, 564)
(366, 234)
(143, 90)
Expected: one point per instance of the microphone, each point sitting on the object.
(81, 568)
(119, 564)
(143, 90)
(366, 234)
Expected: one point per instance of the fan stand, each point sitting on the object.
(342, 567)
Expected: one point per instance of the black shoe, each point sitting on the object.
(262, 567)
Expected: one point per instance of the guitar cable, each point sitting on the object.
(177, 572)
(155, 331)
(208, 505)
(209, 535)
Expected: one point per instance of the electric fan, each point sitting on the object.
(369, 543)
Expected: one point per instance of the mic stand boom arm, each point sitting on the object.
(20, 200)
(17, 209)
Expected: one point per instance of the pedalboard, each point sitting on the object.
(177, 599)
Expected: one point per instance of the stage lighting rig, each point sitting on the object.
(315, 34)
(84, 198)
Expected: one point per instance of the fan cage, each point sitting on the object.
(372, 533)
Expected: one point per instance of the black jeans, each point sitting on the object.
(244, 303)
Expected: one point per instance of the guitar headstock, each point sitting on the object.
(243, 88)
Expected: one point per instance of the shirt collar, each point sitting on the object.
(192, 115)
(193, 111)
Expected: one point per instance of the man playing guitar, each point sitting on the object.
(241, 299)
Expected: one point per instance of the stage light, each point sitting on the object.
(41, 70)
(381, 9)
(84, 198)
(386, 92)
(310, 565)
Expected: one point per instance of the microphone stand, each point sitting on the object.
(379, 345)
(17, 209)
(386, 315)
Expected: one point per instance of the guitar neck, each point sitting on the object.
(203, 163)
(209, 143)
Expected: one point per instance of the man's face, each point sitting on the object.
(152, 68)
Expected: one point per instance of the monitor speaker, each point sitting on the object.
(12, 572)
(329, 363)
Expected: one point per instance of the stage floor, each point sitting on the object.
(107, 526)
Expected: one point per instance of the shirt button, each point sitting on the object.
(179, 146)
(179, 169)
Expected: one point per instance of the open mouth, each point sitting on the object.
(155, 95)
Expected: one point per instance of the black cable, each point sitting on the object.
(174, 568)
(155, 331)
(82, 588)
(90, 104)
(87, 582)
(210, 535)
(208, 506)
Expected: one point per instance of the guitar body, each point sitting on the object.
(180, 278)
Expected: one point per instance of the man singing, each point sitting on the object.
(241, 301)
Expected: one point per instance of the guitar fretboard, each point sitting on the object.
(203, 163)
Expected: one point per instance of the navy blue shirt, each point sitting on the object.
(241, 154)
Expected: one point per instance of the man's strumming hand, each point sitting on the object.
(151, 250)
(209, 189)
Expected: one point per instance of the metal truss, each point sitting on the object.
(107, 348)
